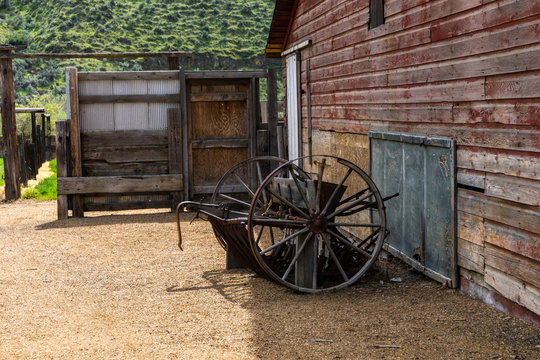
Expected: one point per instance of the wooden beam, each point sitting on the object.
(174, 125)
(231, 96)
(225, 74)
(111, 55)
(271, 91)
(219, 143)
(72, 83)
(128, 75)
(62, 166)
(119, 184)
(185, 132)
(100, 99)
(9, 129)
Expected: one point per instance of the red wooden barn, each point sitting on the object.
(361, 72)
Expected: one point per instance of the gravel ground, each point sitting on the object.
(114, 285)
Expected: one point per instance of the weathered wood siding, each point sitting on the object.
(469, 69)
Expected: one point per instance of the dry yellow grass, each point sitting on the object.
(116, 286)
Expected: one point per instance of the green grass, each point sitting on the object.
(2, 180)
(46, 189)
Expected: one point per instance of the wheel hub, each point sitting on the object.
(318, 224)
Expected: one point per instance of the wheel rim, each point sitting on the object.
(318, 229)
(239, 178)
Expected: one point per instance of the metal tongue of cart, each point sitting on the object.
(315, 227)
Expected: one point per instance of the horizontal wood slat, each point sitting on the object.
(128, 75)
(508, 262)
(99, 168)
(119, 184)
(117, 206)
(514, 289)
(101, 99)
(525, 191)
(512, 239)
(219, 143)
(517, 215)
(233, 96)
(127, 154)
(119, 138)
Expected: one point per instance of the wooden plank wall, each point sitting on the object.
(127, 120)
(469, 69)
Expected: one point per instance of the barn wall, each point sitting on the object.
(469, 69)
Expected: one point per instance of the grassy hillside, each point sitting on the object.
(222, 34)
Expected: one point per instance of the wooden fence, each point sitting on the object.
(149, 139)
(34, 149)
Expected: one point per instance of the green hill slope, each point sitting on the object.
(221, 34)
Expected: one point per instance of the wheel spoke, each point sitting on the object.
(259, 235)
(293, 175)
(295, 259)
(243, 184)
(287, 202)
(334, 193)
(315, 264)
(354, 196)
(336, 261)
(348, 243)
(285, 239)
(259, 174)
(262, 220)
(319, 186)
(347, 207)
(234, 199)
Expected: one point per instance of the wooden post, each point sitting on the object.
(61, 165)
(303, 270)
(35, 160)
(271, 90)
(72, 84)
(185, 134)
(37, 149)
(9, 129)
(22, 163)
(175, 149)
(173, 62)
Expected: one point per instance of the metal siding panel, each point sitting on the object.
(161, 87)
(130, 87)
(131, 116)
(97, 117)
(102, 87)
(157, 115)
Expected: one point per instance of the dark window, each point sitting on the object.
(376, 13)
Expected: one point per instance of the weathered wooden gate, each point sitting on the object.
(148, 139)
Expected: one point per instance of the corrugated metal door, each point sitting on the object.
(422, 220)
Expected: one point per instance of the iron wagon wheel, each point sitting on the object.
(237, 186)
(317, 228)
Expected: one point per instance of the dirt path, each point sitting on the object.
(116, 286)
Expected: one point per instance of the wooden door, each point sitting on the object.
(218, 116)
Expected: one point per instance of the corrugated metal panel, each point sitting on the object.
(158, 87)
(157, 115)
(132, 116)
(97, 117)
(130, 87)
(292, 107)
(422, 220)
(102, 87)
